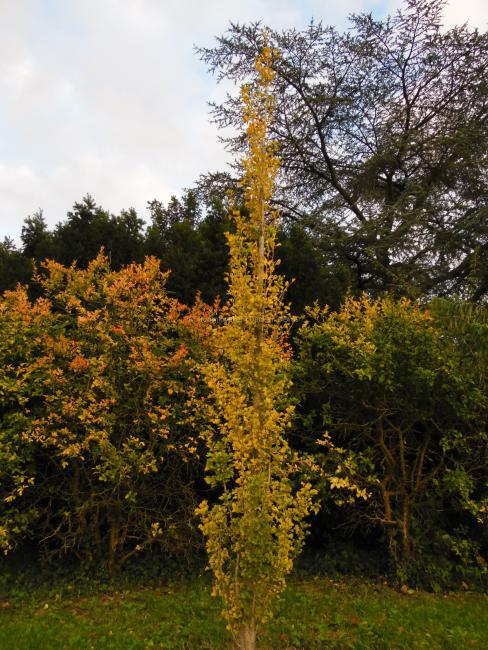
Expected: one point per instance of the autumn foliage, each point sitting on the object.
(129, 421)
(395, 397)
(105, 414)
(98, 421)
(256, 527)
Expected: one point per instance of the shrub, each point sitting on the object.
(102, 415)
(403, 404)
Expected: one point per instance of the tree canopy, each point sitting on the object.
(383, 133)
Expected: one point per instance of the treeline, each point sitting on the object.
(382, 132)
(188, 236)
(102, 411)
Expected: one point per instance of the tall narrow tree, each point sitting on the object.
(257, 525)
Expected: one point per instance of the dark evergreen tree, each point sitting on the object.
(15, 268)
(383, 133)
(173, 238)
(84, 232)
(38, 241)
(88, 228)
(314, 273)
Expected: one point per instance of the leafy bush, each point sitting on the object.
(98, 413)
(402, 401)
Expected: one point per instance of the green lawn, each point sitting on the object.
(314, 614)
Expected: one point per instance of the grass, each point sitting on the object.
(313, 614)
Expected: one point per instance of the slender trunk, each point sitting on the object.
(98, 546)
(75, 491)
(406, 544)
(112, 545)
(260, 276)
(388, 511)
(259, 325)
(246, 639)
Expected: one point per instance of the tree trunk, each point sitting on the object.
(113, 543)
(406, 542)
(246, 639)
(389, 521)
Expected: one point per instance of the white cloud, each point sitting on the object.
(108, 97)
(472, 12)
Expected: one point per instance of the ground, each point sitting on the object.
(313, 614)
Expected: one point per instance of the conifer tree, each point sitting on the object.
(257, 525)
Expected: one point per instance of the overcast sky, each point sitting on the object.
(107, 97)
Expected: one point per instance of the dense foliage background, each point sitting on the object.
(104, 321)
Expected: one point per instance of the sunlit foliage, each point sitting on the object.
(401, 389)
(256, 527)
(98, 385)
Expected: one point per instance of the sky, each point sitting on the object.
(108, 98)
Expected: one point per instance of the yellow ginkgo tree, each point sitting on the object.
(256, 525)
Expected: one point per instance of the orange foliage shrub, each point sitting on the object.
(99, 419)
